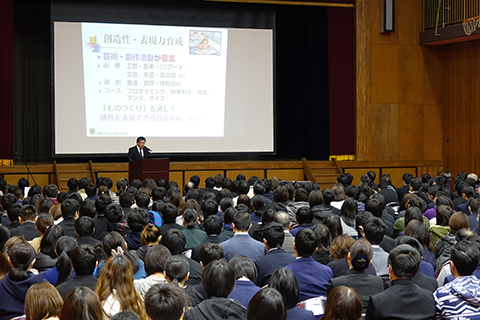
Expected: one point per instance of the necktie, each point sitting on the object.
(141, 153)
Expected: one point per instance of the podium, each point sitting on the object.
(149, 168)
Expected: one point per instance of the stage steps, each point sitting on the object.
(322, 172)
(64, 172)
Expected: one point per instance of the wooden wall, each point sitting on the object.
(399, 87)
(461, 130)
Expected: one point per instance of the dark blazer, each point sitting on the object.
(422, 280)
(404, 300)
(340, 268)
(266, 265)
(365, 284)
(243, 292)
(68, 226)
(133, 153)
(312, 277)
(27, 229)
(89, 281)
(195, 272)
(168, 226)
(88, 240)
(196, 250)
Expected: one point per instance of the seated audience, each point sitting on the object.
(165, 301)
(47, 256)
(267, 304)
(213, 226)
(374, 231)
(246, 275)
(115, 287)
(81, 304)
(137, 220)
(322, 254)
(285, 282)
(84, 263)
(44, 221)
(411, 301)
(177, 272)
(150, 237)
(27, 229)
(42, 302)
(14, 286)
(63, 266)
(69, 214)
(84, 228)
(343, 303)
(312, 276)
(192, 233)
(155, 260)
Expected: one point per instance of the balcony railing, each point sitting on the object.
(442, 13)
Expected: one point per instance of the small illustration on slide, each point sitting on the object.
(205, 42)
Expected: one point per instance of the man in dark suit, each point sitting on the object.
(84, 227)
(84, 262)
(312, 276)
(273, 237)
(139, 151)
(405, 299)
(213, 226)
(27, 220)
(69, 214)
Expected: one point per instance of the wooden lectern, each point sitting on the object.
(149, 168)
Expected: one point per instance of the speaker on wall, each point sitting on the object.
(387, 16)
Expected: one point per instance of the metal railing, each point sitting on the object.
(442, 13)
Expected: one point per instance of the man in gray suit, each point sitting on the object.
(242, 243)
(283, 218)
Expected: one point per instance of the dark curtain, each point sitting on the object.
(302, 122)
(301, 75)
(6, 78)
(32, 112)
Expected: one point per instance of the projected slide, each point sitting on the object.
(155, 81)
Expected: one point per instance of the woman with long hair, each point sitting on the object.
(343, 303)
(115, 287)
(47, 256)
(347, 214)
(4, 265)
(111, 242)
(42, 302)
(63, 267)
(81, 304)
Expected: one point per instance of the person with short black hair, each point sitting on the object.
(242, 242)
(84, 228)
(267, 304)
(213, 226)
(374, 231)
(137, 219)
(84, 263)
(312, 276)
(155, 261)
(28, 230)
(218, 280)
(115, 220)
(169, 215)
(461, 297)
(276, 257)
(176, 242)
(245, 275)
(404, 299)
(69, 214)
(177, 272)
(139, 151)
(166, 301)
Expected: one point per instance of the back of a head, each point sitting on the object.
(218, 279)
(69, 208)
(209, 207)
(306, 242)
(405, 261)
(304, 216)
(127, 199)
(415, 184)
(414, 243)
(324, 237)
(343, 303)
(42, 301)
(177, 268)
(315, 198)
(114, 213)
(338, 193)
(21, 256)
(413, 213)
(210, 252)
(174, 240)
(280, 194)
(169, 213)
(142, 200)
(334, 224)
(465, 256)
(81, 304)
(90, 190)
(50, 191)
(443, 215)
(87, 208)
(101, 203)
(156, 258)
(226, 203)
(457, 221)
(84, 260)
(375, 206)
(242, 221)
(28, 213)
(285, 282)
(341, 246)
(150, 234)
(213, 224)
(267, 304)
(126, 315)
(84, 226)
(361, 253)
(283, 219)
(137, 219)
(243, 266)
(375, 230)
(165, 301)
(258, 202)
(274, 234)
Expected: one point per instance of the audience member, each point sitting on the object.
(69, 214)
(44, 221)
(322, 254)
(27, 229)
(165, 301)
(150, 237)
(42, 302)
(343, 303)
(81, 304)
(213, 226)
(267, 304)
(155, 260)
(47, 257)
(84, 228)
(245, 275)
(177, 272)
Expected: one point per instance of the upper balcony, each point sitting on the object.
(450, 21)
